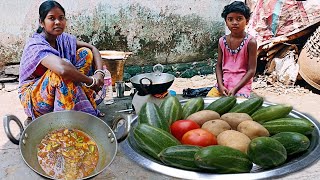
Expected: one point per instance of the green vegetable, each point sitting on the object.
(299, 125)
(150, 114)
(223, 159)
(91, 148)
(268, 113)
(293, 142)
(248, 106)
(172, 109)
(191, 106)
(180, 156)
(153, 140)
(222, 105)
(267, 152)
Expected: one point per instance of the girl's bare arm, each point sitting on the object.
(219, 73)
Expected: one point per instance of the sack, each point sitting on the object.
(196, 92)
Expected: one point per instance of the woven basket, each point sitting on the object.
(309, 60)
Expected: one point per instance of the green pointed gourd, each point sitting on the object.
(171, 109)
(151, 114)
(222, 105)
(191, 106)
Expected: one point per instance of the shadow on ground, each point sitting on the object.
(303, 83)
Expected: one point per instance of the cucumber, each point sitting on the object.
(180, 156)
(223, 159)
(191, 106)
(171, 109)
(299, 125)
(153, 140)
(293, 142)
(222, 105)
(267, 152)
(248, 106)
(151, 114)
(268, 113)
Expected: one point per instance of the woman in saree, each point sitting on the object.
(58, 72)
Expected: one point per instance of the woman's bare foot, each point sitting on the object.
(101, 114)
(27, 121)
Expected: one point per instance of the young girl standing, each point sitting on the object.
(237, 54)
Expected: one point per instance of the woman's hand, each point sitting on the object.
(99, 82)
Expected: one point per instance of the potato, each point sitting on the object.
(203, 116)
(216, 126)
(252, 129)
(234, 119)
(234, 139)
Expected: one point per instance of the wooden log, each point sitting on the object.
(275, 49)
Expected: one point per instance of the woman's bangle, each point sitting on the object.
(93, 82)
(100, 71)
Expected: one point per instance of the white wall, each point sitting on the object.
(19, 19)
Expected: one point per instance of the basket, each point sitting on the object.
(309, 60)
(115, 60)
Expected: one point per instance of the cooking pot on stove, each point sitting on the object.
(97, 129)
(152, 83)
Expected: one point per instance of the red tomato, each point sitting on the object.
(199, 137)
(178, 128)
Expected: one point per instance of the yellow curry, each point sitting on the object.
(68, 154)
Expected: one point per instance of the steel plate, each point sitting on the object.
(293, 164)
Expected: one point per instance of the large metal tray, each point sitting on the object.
(292, 165)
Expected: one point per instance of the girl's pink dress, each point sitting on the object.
(235, 65)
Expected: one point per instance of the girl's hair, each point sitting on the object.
(236, 6)
(44, 8)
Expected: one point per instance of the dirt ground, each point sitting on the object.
(301, 99)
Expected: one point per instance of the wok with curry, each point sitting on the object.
(68, 154)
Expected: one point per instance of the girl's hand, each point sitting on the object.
(223, 90)
(232, 92)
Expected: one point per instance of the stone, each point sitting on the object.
(167, 68)
(7, 79)
(173, 73)
(133, 70)
(205, 70)
(181, 67)
(12, 70)
(147, 69)
(189, 73)
(11, 86)
(201, 64)
(126, 77)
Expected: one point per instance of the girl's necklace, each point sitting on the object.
(234, 54)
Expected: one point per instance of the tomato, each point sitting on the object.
(199, 137)
(179, 127)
